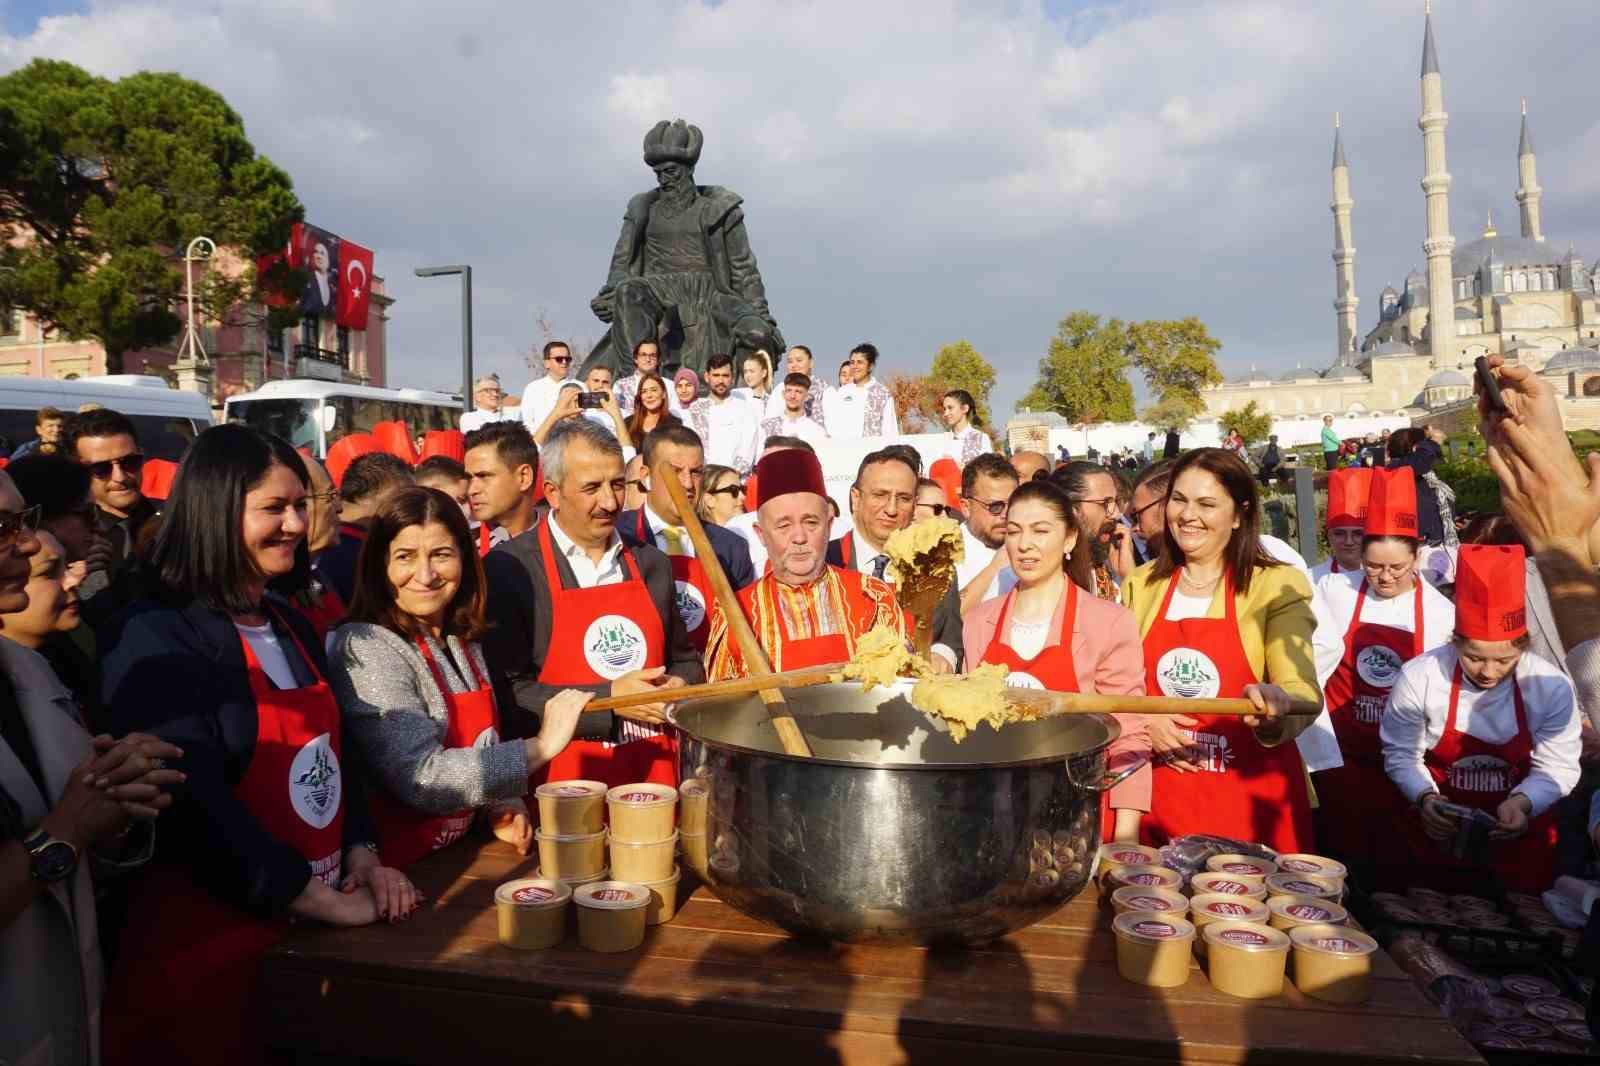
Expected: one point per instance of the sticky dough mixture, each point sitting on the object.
(881, 657)
(924, 551)
(964, 700)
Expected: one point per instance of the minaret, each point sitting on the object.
(1436, 186)
(1528, 191)
(1344, 253)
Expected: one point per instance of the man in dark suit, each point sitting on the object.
(880, 503)
(659, 525)
(571, 606)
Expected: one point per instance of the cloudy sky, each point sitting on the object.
(913, 173)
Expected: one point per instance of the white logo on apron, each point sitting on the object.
(1378, 665)
(1210, 750)
(1480, 773)
(1188, 673)
(486, 739)
(691, 605)
(314, 784)
(1021, 679)
(613, 646)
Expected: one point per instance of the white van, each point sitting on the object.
(314, 414)
(166, 419)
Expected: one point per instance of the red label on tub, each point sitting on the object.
(532, 894)
(638, 797)
(1241, 868)
(1299, 866)
(1337, 943)
(1232, 888)
(1308, 913)
(614, 895)
(1228, 909)
(1160, 930)
(1148, 880)
(1148, 903)
(1243, 937)
(1130, 858)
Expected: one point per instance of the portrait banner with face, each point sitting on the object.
(316, 251)
(355, 286)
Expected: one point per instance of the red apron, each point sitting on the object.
(1359, 804)
(186, 974)
(326, 613)
(1053, 668)
(692, 591)
(600, 634)
(406, 834)
(483, 539)
(1244, 790)
(1475, 773)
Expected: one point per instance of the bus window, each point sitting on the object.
(295, 420)
(163, 438)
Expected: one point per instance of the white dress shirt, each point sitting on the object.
(1419, 705)
(478, 419)
(730, 430)
(588, 573)
(538, 400)
(846, 410)
(977, 555)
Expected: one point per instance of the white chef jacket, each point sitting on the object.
(1419, 704)
(1337, 594)
(731, 431)
(846, 410)
(807, 429)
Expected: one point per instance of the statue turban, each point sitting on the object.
(673, 142)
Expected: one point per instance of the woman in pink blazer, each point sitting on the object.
(1053, 633)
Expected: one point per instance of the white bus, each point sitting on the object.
(315, 414)
(166, 419)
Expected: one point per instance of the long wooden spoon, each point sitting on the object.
(755, 659)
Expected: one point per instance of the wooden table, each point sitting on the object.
(715, 987)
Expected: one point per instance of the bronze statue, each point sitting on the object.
(682, 273)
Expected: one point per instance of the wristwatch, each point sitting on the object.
(52, 860)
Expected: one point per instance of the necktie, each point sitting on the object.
(879, 564)
(674, 535)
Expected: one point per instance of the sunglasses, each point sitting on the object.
(997, 508)
(131, 463)
(563, 359)
(730, 490)
(939, 509)
(638, 483)
(12, 524)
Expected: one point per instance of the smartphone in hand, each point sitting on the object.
(1489, 385)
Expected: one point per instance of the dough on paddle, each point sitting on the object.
(924, 552)
(964, 700)
(881, 656)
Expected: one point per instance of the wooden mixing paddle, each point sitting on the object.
(755, 659)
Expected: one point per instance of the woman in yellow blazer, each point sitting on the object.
(1220, 617)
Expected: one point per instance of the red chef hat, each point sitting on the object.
(344, 452)
(395, 438)
(1491, 590)
(451, 443)
(1348, 489)
(789, 470)
(948, 475)
(1392, 505)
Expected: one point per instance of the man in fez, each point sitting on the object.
(683, 254)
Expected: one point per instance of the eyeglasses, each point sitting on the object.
(1105, 503)
(12, 524)
(322, 497)
(731, 490)
(131, 463)
(938, 509)
(1379, 569)
(1137, 512)
(638, 483)
(998, 508)
(563, 359)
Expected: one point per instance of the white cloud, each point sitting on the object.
(913, 172)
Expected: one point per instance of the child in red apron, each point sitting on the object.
(1468, 771)
(1244, 789)
(406, 834)
(603, 633)
(186, 972)
(1349, 489)
(1358, 805)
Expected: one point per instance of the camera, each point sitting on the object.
(592, 400)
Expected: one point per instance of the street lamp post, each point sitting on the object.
(466, 323)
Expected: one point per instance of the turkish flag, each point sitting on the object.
(355, 285)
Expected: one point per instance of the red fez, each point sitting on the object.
(156, 481)
(1348, 489)
(451, 443)
(1392, 505)
(789, 470)
(344, 452)
(395, 438)
(948, 475)
(1491, 592)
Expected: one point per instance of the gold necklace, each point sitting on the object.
(1188, 582)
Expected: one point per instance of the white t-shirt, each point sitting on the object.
(478, 419)
(1419, 705)
(975, 557)
(269, 652)
(538, 400)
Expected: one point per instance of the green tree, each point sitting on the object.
(102, 186)
(916, 402)
(960, 366)
(1249, 421)
(1084, 376)
(1178, 359)
(1175, 412)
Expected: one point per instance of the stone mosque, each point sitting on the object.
(1529, 298)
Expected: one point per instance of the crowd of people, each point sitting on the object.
(258, 688)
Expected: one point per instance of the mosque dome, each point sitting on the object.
(1391, 347)
(1446, 379)
(1343, 373)
(1579, 360)
(1507, 251)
